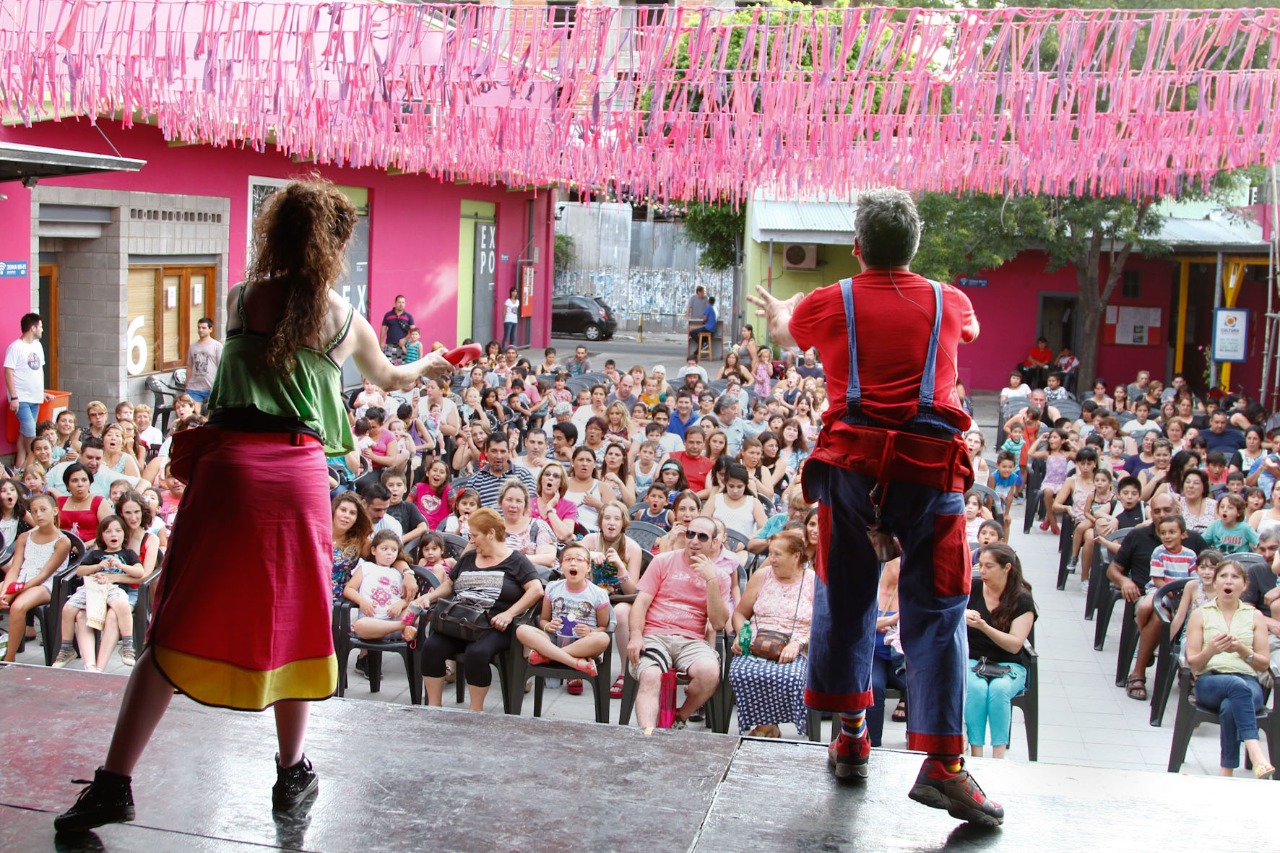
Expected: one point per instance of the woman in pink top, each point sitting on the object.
(549, 503)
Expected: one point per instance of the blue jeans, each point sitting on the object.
(1237, 699)
(200, 397)
(990, 703)
(508, 335)
(27, 413)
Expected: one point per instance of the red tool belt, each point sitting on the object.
(891, 455)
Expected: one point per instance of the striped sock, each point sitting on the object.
(854, 725)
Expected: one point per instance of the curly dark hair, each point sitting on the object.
(299, 238)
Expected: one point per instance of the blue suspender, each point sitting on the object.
(928, 379)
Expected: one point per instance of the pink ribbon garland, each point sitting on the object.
(697, 104)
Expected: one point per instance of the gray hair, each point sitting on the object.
(887, 228)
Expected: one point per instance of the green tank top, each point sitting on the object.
(311, 394)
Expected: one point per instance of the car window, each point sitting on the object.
(560, 302)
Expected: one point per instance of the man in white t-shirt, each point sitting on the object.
(203, 358)
(24, 381)
(679, 595)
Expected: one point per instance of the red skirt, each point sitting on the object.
(243, 613)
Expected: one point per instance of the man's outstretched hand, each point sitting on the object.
(777, 313)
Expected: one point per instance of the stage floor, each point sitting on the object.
(408, 778)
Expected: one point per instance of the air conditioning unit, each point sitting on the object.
(799, 256)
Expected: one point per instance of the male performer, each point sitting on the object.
(890, 462)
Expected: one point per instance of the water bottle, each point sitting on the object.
(744, 639)
(411, 622)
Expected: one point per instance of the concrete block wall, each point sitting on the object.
(93, 278)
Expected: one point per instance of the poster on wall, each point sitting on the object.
(528, 274)
(1132, 325)
(1230, 334)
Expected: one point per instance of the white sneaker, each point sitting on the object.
(1084, 586)
(64, 657)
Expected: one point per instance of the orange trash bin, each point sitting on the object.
(60, 400)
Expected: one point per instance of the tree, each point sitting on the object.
(717, 229)
(566, 252)
(969, 233)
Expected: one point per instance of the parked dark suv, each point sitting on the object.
(582, 315)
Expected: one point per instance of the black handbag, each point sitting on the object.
(454, 618)
(990, 671)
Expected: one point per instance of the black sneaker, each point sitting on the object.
(107, 799)
(956, 793)
(362, 665)
(293, 784)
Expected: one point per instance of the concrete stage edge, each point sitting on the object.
(397, 777)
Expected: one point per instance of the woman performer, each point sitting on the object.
(276, 406)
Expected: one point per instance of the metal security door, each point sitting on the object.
(484, 280)
(354, 286)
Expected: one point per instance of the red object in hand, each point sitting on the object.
(15, 588)
(463, 354)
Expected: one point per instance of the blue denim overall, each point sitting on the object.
(933, 589)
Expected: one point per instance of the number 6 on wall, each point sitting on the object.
(137, 349)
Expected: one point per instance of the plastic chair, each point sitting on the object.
(1029, 699)
(644, 534)
(716, 708)
(1191, 715)
(1098, 582)
(1034, 505)
(600, 683)
(991, 499)
(345, 641)
(736, 541)
(1064, 549)
(1167, 651)
(454, 545)
(49, 616)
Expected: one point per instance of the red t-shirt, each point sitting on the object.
(695, 469)
(894, 326)
(1044, 356)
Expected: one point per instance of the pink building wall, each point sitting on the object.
(1008, 311)
(414, 219)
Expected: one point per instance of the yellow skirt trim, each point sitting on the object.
(225, 685)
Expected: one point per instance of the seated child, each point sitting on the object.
(655, 509)
(974, 514)
(575, 618)
(431, 555)
(1229, 532)
(1199, 590)
(378, 589)
(1171, 560)
(1006, 481)
(465, 502)
(1100, 513)
(102, 568)
(989, 532)
(33, 478)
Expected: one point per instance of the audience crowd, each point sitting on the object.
(578, 509)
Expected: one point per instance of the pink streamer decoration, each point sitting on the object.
(811, 107)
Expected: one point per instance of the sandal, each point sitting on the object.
(1136, 688)
(537, 659)
(586, 666)
(574, 686)
(1263, 771)
(900, 712)
(615, 690)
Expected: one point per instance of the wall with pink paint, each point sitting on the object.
(1008, 311)
(15, 245)
(414, 219)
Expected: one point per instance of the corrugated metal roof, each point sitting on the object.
(1230, 233)
(19, 162)
(802, 222)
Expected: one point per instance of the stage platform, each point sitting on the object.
(401, 778)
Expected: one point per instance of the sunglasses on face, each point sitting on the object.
(700, 536)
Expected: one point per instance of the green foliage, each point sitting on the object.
(718, 230)
(566, 252)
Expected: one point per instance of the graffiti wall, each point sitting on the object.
(659, 295)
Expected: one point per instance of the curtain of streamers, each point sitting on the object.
(696, 105)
